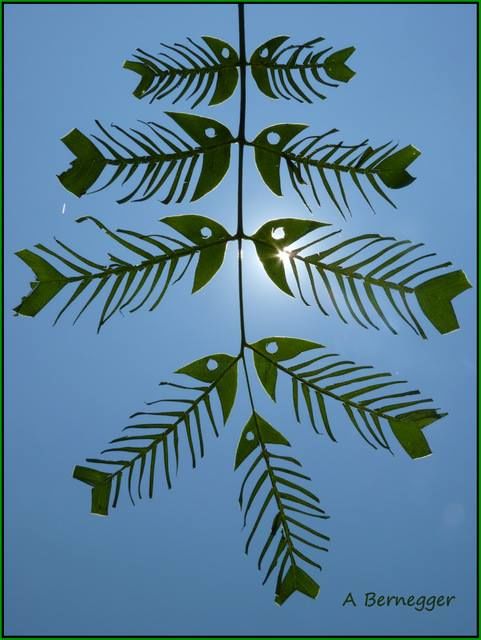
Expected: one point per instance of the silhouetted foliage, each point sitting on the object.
(372, 280)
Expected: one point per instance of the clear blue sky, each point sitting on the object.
(175, 565)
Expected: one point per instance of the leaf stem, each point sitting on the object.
(241, 142)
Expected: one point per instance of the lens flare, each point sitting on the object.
(284, 256)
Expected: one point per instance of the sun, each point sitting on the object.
(284, 255)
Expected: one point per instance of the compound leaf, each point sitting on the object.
(366, 274)
(268, 488)
(310, 161)
(180, 67)
(368, 398)
(294, 71)
(160, 432)
(159, 158)
(128, 281)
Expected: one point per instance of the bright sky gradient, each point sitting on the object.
(175, 565)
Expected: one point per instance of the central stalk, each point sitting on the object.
(240, 165)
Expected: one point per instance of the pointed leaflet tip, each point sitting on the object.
(101, 484)
(296, 579)
(392, 170)
(335, 66)
(408, 427)
(49, 282)
(87, 166)
(147, 76)
(434, 298)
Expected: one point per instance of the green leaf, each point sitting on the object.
(147, 76)
(189, 67)
(158, 160)
(203, 232)
(364, 273)
(226, 390)
(271, 240)
(227, 74)
(87, 166)
(216, 156)
(220, 369)
(183, 419)
(296, 579)
(267, 373)
(101, 484)
(49, 282)
(267, 154)
(435, 295)
(298, 74)
(249, 439)
(210, 261)
(266, 486)
(328, 378)
(408, 428)
(392, 170)
(310, 160)
(279, 348)
(336, 67)
(126, 280)
(259, 68)
(209, 368)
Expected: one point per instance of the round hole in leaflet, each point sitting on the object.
(273, 137)
(272, 347)
(212, 364)
(206, 233)
(278, 233)
(210, 132)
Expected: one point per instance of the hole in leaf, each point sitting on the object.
(225, 53)
(273, 137)
(278, 233)
(272, 347)
(205, 232)
(210, 132)
(249, 436)
(264, 53)
(212, 364)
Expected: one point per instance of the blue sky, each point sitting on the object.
(175, 565)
